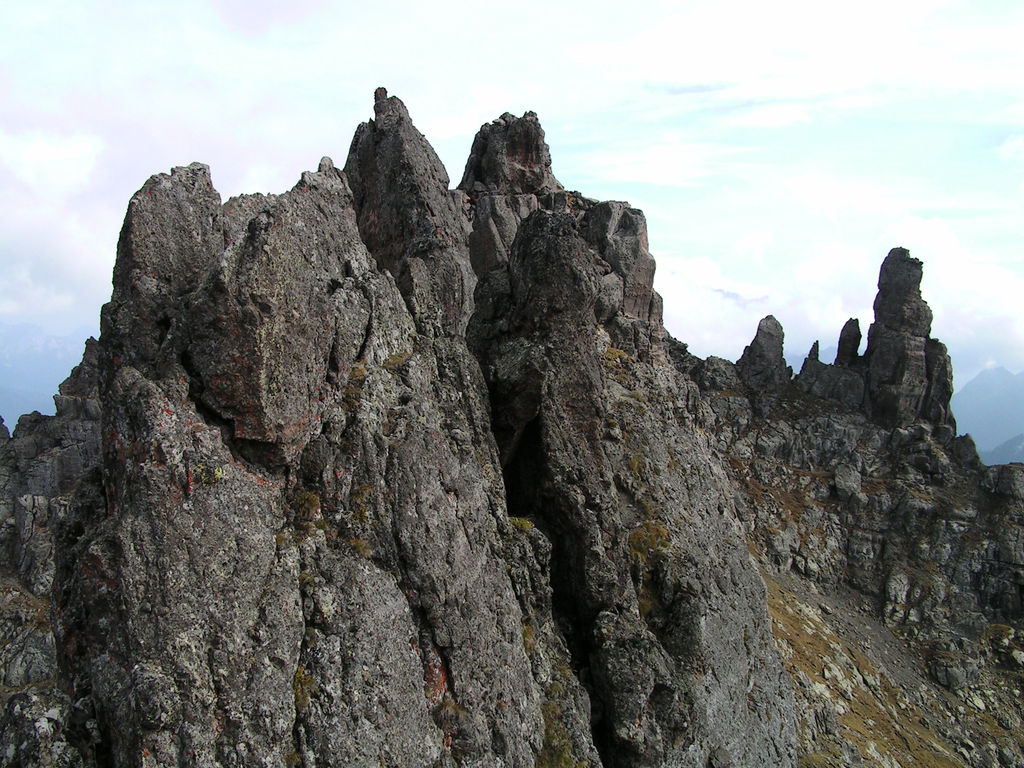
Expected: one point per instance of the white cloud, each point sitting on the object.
(51, 164)
(665, 163)
(1012, 148)
(772, 116)
(22, 293)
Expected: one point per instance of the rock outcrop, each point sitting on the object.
(762, 366)
(870, 519)
(408, 220)
(41, 468)
(904, 374)
(372, 472)
(510, 157)
(909, 374)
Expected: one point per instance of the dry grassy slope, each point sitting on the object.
(862, 693)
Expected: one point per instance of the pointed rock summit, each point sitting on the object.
(762, 365)
(849, 343)
(374, 472)
(510, 157)
(909, 374)
(904, 374)
(408, 219)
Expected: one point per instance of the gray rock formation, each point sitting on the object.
(842, 382)
(292, 577)
(408, 219)
(855, 481)
(904, 375)
(41, 468)
(762, 365)
(847, 352)
(372, 472)
(909, 374)
(510, 157)
(582, 429)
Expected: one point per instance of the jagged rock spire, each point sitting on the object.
(849, 343)
(904, 374)
(409, 220)
(762, 365)
(509, 156)
(909, 374)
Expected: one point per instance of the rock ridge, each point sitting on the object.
(375, 472)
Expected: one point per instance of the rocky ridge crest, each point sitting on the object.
(374, 472)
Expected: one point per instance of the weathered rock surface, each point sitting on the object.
(41, 468)
(761, 366)
(601, 454)
(280, 570)
(908, 373)
(372, 472)
(409, 220)
(510, 157)
(904, 374)
(852, 478)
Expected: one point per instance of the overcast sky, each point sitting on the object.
(778, 149)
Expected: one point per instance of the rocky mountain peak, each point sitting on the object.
(762, 365)
(510, 157)
(847, 352)
(388, 110)
(375, 472)
(408, 220)
(909, 374)
(904, 375)
(898, 304)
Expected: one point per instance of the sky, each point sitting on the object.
(779, 150)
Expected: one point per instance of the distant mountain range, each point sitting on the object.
(990, 407)
(1004, 453)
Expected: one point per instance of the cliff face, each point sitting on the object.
(894, 558)
(373, 472)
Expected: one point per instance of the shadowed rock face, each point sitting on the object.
(375, 473)
(762, 365)
(849, 343)
(905, 374)
(593, 466)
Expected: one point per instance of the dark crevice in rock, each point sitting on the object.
(525, 483)
(333, 365)
(163, 327)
